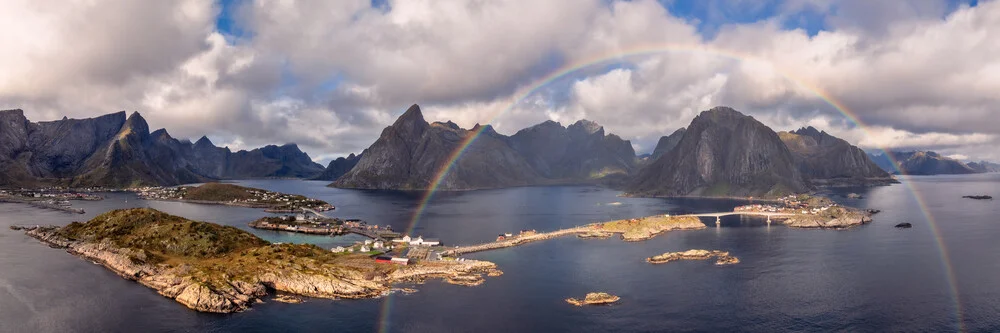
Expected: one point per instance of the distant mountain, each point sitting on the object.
(115, 151)
(578, 152)
(984, 166)
(666, 144)
(722, 153)
(921, 163)
(339, 167)
(828, 160)
(410, 153)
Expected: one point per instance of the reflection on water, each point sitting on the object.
(871, 278)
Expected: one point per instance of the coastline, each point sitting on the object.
(233, 290)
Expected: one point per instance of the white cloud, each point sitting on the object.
(330, 74)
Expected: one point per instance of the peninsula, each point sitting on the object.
(213, 268)
(235, 195)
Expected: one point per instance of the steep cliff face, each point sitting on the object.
(825, 159)
(410, 153)
(339, 167)
(922, 163)
(581, 151)
(116, 151)
(723, 153)
(666, 144)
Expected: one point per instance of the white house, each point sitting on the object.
(378, 245)
(337, 249)
(368, 242)
(405, 239)
(364, 248)
(300, 217)
(417, 241)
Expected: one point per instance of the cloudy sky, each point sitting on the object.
(329, 75)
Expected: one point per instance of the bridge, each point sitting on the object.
(718, 216)
(310, 210)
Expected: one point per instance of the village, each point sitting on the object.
(792, 204)
(51, 199)
(233, 195)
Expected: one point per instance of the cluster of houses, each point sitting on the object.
(506, 236)
(259, 196)
(367, 246)
(419, 241)
(794, 209)
(51, 195)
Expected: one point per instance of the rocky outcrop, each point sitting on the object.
(339, 167)
(666, 144)
(115, 151)
(594, 299)
(827, 160)
(836, 217)
(921, 163)
(721, 257)
(723, 153)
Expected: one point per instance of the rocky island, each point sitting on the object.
(643, 228)
(213, 268)
(594, 299)
(721, 257)
(235, 195)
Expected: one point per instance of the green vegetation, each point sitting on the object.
(219, 192)
(212, 253)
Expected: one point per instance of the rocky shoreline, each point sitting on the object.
(721, 257)
(842, 218)
(594, 299)
(231, 289)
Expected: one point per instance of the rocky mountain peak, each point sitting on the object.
(204, 142)
(809, 131)
(586, 127)
(136, 124)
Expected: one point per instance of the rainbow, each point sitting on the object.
(650, 50)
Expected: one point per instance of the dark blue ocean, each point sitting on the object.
(941, 275)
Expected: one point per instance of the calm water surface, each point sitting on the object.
(871, 278)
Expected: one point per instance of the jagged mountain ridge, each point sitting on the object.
(722, 153)
(921, 163)
(115, 151)
(667, 143)
(826, 159)
(339, 167)
(410, 153)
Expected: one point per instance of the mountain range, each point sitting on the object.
(411, 153)
(928, 163)
(118, 151)
(828, 160)
(722, 153)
